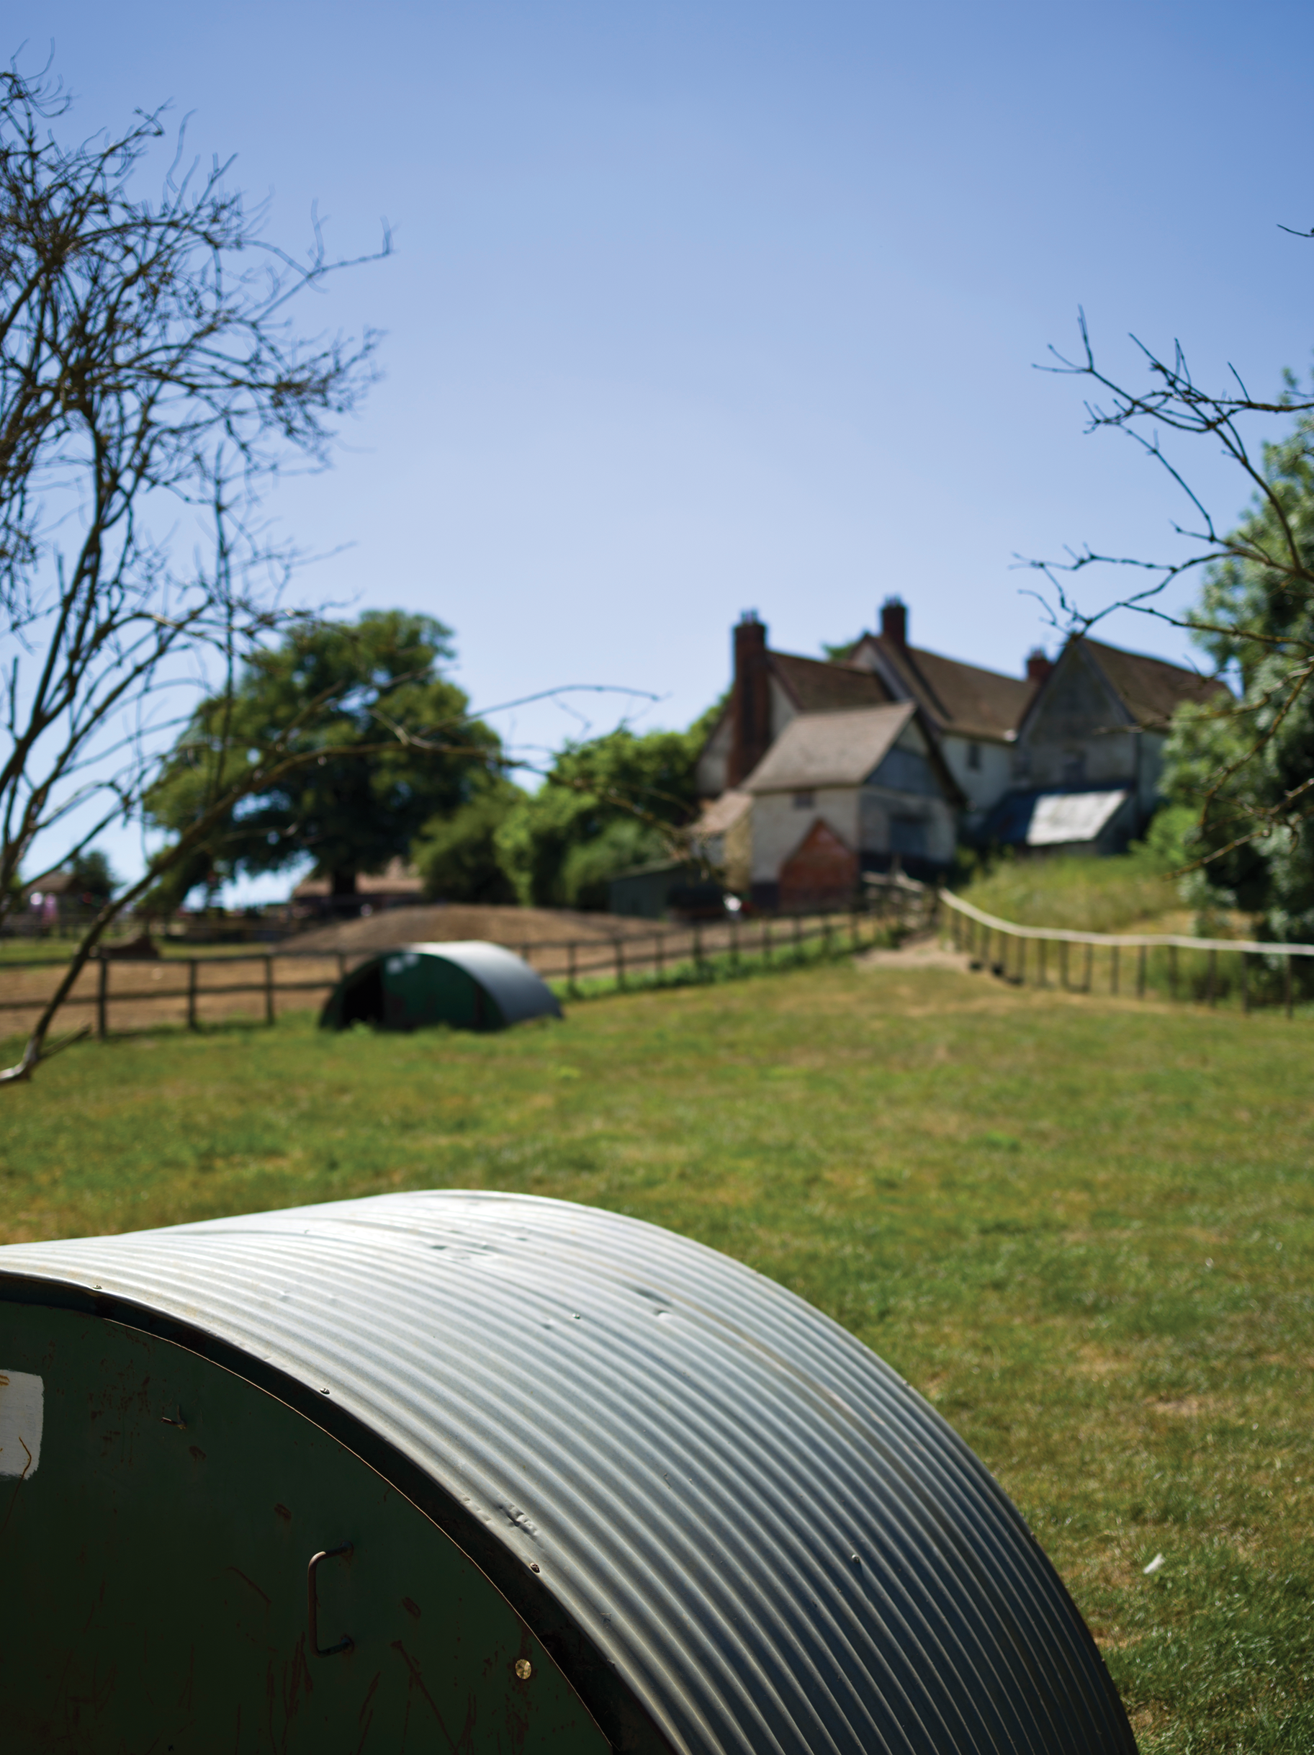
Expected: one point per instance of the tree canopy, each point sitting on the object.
(1249, 771)
(613, 802)
(337, 692)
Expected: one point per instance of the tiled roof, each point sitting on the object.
(816, 686)
(1151, 689)
(829, 749)
(721, 814)
(956, 696)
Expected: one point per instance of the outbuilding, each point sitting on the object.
(491, 1472)
(467, 983)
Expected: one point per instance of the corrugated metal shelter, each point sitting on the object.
(707, 1516)
(466, 983)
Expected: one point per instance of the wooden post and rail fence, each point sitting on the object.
(1173, 964)
(138, 993)
(143, 993)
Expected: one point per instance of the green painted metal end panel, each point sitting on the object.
(157, 1516)
(420, 990)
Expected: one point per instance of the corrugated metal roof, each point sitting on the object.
(520, 992)
(775, 1544)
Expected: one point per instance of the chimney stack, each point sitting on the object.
(750, 699)
(894, 622)
(1038, 666)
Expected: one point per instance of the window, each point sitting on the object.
(974, 756)
(805, 800)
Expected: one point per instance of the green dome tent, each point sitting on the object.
(467, 984)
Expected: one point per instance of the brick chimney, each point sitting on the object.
(894, 622)
(1038, 666)
(750, 698)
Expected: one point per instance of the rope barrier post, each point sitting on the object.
(1063, 964)
(192, 976)
(269, 989)
(1022, 962)
(102, 999)
(1287, 984)
(1172, 971)
(1140, 973)
(1042, 951)
(1090, 965)
(1113, 967)
(1213, 973)
(1245, 984)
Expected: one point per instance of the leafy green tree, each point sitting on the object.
(613, 802)
(94, 881)
(1252, 766)
(339, 693)
(457, 854)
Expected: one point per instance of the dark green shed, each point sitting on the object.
(467, 983)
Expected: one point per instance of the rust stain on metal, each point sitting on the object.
(283, 1512)
(411, 1608)
(268, 1602)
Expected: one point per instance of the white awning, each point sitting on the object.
(1062, 817)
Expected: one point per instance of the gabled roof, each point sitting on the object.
(719, 815)
(829, 749)
(816, 686)
(1151, 689)
(954, 696)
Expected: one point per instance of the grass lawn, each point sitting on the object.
(1083, 1227)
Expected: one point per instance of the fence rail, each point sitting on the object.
(1258, 964)
(132, 990)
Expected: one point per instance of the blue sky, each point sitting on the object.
(697, 308)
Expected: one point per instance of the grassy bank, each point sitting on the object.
(1083, 1227)
(1083, 895)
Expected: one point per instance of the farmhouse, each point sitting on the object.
(818, 770)
(841, 793)
(1089, 749)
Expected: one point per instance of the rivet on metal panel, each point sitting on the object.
(533, 1565)
(324, 1392)
(524, 1669)
(346, 1643)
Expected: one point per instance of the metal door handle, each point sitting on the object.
(346, 1642)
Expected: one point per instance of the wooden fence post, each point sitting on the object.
(269, 990)
(1245, 984)
(1140, 973)
(798, 937)
(102, 999)
(734, 943)
(1063, 964)
(192, 973)
(1042, 979)
(1213, 972)
(1113, 967)
(1172, 971)
(571, 986)
(853, 928)
(698, 949)
(1287, 983)
(1090, 966)
(620, 962)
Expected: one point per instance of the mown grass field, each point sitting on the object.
(1083, 1227)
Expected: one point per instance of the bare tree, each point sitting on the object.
(152, 386)
(1255, 607)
